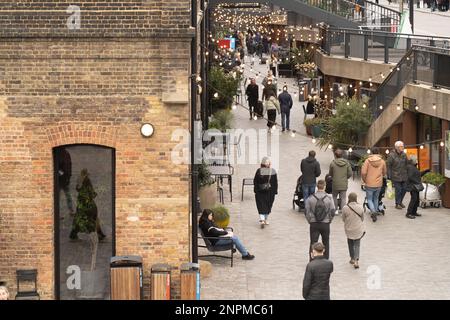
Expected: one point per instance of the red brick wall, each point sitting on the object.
(63, 90)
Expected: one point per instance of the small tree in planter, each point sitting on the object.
(207, 189)
(221, 216)
(226, 85)
(350, 123)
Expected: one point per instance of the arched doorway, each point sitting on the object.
(84, 207)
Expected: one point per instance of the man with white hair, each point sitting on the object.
(4, 293)
(396, 165)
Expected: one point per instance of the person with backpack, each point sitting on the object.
(340, 171)
(319, 211)
(353, 217)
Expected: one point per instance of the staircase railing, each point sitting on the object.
(421, 64)
(365, 13)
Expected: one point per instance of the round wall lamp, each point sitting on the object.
(147, 130)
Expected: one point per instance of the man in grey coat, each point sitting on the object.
(340, 171)
(397, 173)
(322, 227)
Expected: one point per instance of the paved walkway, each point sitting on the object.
(400, 258)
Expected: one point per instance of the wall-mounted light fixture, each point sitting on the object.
(147, 130)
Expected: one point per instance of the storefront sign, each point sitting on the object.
(447, 153)
(424, 159)
(409, 104)
(224, 43)
(411, 152)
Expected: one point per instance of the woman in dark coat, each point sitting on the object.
(265, 186)
(414, 186)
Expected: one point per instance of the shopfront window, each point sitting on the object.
(429, 129)
(84, 220)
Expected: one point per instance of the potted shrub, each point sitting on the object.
(221, 216)
(314, 126)
(207, 189)
(222, 120)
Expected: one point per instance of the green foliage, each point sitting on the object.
(221, 216)
(314, 122)
(222, 120)
(299, 56)
(348, 126)
(204, 175)
(86, 214)
(225, 85)
(433, 178)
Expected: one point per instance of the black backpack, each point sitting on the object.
(320, 211)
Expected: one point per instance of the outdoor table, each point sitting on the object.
(219, 172)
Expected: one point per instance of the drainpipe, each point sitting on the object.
(194, 168)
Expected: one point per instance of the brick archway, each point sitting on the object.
(66, 134)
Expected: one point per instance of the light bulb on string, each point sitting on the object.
(330, 146)
(368, 151)
(387, 151)
(398, 107)
(364, 105)
(234, 107)
(381, 107)
(416, 107)
(434, 106)
(313, 140)
(421, 147)
(216, 95)
(441, 143)
(293, 134)
(350, 149)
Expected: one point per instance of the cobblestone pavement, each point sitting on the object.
(400, 258)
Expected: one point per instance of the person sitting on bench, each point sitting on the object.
(209, 229)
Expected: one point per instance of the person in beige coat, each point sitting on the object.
(372, 173)
(353, 217)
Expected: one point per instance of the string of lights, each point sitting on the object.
(351, 147)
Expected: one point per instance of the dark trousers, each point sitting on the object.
(272, 116)
(252, 106)
(317, 229)
(413, 203)
(285, 119)
(400, 191)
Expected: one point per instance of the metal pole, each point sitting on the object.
(194, 169)
(411, 14)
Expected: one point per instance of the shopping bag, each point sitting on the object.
(390, 194)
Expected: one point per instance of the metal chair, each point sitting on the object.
(246, 182)
(27, 276)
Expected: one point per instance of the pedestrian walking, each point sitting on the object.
(396, 168)
(310, 169)
(273, 64)
(353, 217)
(252, 93)
(414, 186)
(316, 282)
(340, 171)
(265, 186)
(319, 211)
(271, 107)
(286, 103)
(372, 173)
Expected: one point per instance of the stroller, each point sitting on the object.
(298, 195)
(381, 206)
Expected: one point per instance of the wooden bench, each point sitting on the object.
(214, 248)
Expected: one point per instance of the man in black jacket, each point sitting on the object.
(316, 282)
(285, 100)
(310, 168)
(252, 93)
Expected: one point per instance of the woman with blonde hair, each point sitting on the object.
(265, 186)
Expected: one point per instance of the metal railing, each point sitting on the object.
(374, 45)
(421, 64)
(364, 13)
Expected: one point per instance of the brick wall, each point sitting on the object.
(58, 89)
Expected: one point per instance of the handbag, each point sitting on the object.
(418, 187)
(265, 186)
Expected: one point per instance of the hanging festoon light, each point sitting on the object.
(216, 95)
(387, 151)
(416, 108)
(381, 107)
(313, 140)
(442, 143)
(398, 107)
(421, 147)
(293, 134)
(350, 150)
(364, 105)
(330, 146)
(368, 151)
(434, 106)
